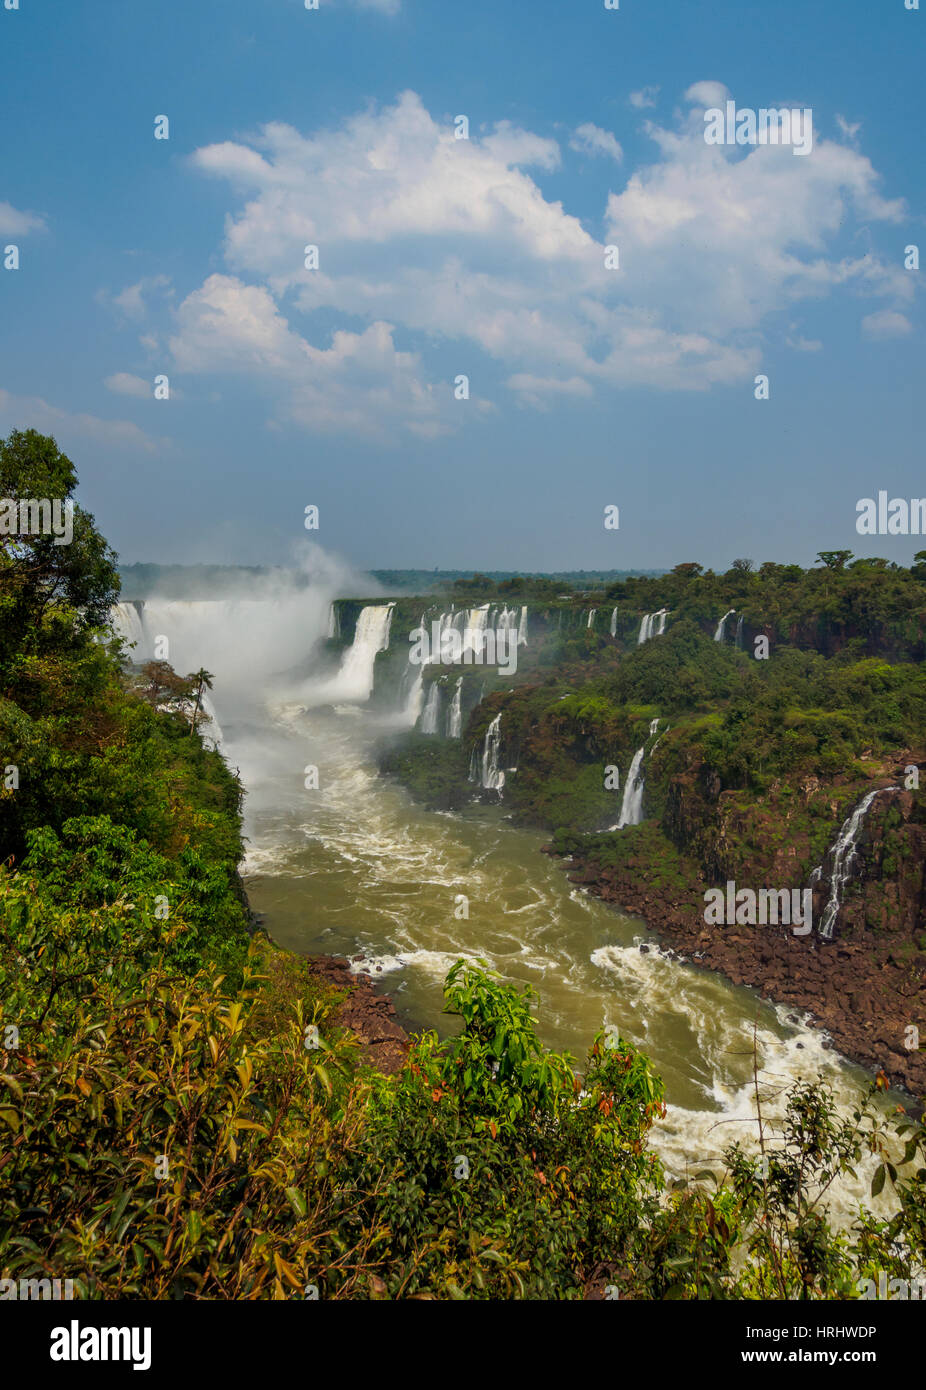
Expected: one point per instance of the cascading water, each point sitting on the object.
(355, 678)
(845, 853)
(334, 622)
(493, 779)
(455, 717)
(739, 632)
(127, 623)
(614, 622)
(721, 631)
(646, 626)
(522, 627)
(591, 617)
(632, 803)
(430, 719)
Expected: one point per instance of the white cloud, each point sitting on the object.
(707, 94)
(360, 383)
(124, 384)
(511, 145)
(646, 96)
(132, 300)
(16, 223)
(24, 412)
(453, 241)
(591, 139)
(886, 324)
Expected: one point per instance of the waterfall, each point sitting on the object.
(591, 616)
(125, 619)
(334, 621)
(739, 632)
(614, 622)
(522, 627)
(721, 632)
(455, 717)
(431, 717)
(844, 852)
(477, 621)
(632, 803)
(209, 726)
(474, 765)
(370, 638)
(493, 779)
(646, 626)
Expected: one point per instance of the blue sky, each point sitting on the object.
(484, 257)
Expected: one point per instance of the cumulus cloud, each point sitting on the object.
(591, 139)
(454, 241)
(360, 382)
(886, 323)
(646, 96)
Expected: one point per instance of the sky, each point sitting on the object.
(588, 385)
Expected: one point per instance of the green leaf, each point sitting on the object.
(297, 1201)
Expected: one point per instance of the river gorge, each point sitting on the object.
(343, 861)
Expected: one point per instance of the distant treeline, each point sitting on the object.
(220, 581)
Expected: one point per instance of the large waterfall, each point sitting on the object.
(355, 678)
(591, 617)
(632, 802)
(247, 641)
(844, 853)
(721, 630)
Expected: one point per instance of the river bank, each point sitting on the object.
(865, 996)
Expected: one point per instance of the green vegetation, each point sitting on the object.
(182, 1114)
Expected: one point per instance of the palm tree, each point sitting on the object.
(204, 681)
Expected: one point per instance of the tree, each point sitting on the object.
(160, 684)
(834, 559)
(35, 570)
(741, 567)
(203, 679)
